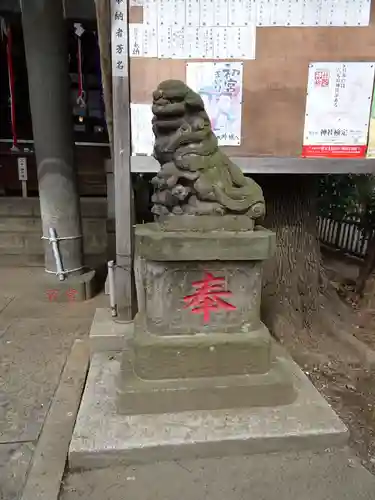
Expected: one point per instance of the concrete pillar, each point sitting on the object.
(45, 38)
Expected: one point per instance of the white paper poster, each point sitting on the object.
(136, 40)
(241, 43)
(141, 129)
(164, 21)
(165, 42)
(192, 47)
(183, 29)
(338, 109)
(220, 13)
(371, 132)
(220, 86)
(206, 43)
(192, 8)
(265, 10)
(221, 43)
(150, 41)
(206, 13)
(150, 12)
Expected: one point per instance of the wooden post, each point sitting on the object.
(121, 160)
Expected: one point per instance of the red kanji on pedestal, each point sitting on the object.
(52, 295)
(71, 294)
(207, 297)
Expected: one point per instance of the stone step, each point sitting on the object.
(21, 260)
(15, 224)
(309, 423)
(14, 206)
(15, 243)
(21, 230)
(37, 260)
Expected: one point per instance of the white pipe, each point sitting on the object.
(111, 283)
(55, 249)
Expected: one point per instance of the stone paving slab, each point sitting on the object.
(15, 459)
(33, 353)
(45, 309)
(48, 465)
(5, 300)
(329, 475)
(20, 280)
(108, 335)
(104, 438)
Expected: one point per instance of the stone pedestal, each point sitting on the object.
(198, 340)
(193, 385)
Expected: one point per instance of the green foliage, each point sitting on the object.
(337, 196)
(348, 196)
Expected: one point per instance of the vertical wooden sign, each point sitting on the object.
(121, 158)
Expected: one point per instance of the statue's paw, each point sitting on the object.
(164, 197)
(177, 210)
(181, 192)
(165, 182)
(159, 182)
(190, 176)
(197, 207)
(160, 210)
(164, 108)
(257, 210)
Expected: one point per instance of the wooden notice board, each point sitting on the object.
(274, 84)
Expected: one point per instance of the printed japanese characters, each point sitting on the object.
(220, 86)
(226, 29)
(196, 177)
(119, 37)
(337, 109)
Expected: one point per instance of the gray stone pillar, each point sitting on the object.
(45, 38)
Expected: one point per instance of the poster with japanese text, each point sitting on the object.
(220, 86)
(371, 132)
(338, 109)
(141, 129)
(226, 29)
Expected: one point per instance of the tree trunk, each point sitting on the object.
(295, 285)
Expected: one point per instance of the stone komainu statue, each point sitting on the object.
(196, 177)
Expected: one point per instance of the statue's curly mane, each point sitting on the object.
(196, 177)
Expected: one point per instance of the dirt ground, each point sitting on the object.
(338, 373)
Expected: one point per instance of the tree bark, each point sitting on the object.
(294, 280)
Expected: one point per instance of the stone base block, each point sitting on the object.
(73, 289)
(137, 396)
(106, 334)
(201, 355)
(103, 438)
